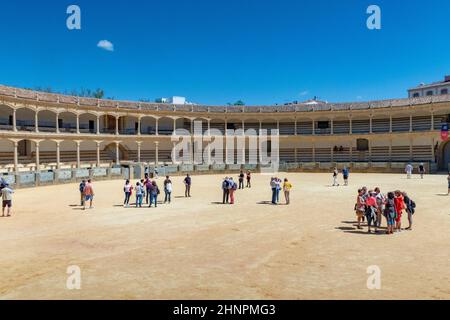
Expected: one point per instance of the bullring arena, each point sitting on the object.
(198, 248)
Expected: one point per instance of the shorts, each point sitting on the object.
(390, 221)
(89, 197)
(7, 203)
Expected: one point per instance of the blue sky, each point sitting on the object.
(214, 52)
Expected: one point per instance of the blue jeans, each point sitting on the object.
(139, 198)
(168, 196)
(274, 196)
(153, 199)
(127, 197)
(278, 195)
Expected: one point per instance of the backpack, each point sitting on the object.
(82, 185)
(234, 186)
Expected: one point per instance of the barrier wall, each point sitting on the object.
(30, 179)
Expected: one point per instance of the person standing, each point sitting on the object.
(127, 191)
(278, 183)
(81, 188)
(448, 182)
(167, 190)
(273, 186)
(225, 190)
(381, 200)
(410, 209)
(345, 174)
(399, 207)
(154, 192)
(89, 194)
(187, 184)
(371, 210)
(148, 186)
(335, 176)
(390, 212)
(232, 188)
(409, 170)
(6, 193)
(139, 194)
(421, 170)
(241, 180)
(249, 178)
(287, 186)
(360, 207)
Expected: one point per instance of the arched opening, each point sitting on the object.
(218, 125)
(88, 123)
(305, 126)
(128, 125)
(111, 151)
(165, 126)
(148, 125)
(445, 162)
(25, 119)
(6, 155)
(322, 125)
(47, 121)
(88, 152)
(6, 117)
(287, 127)
(361, 125)
(67, 122)
(341, 125)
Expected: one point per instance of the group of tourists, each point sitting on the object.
(148, 189)
(276, 185)
(6, 195)
(373, 205)
(229, 186)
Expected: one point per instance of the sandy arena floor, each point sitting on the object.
(199, 249)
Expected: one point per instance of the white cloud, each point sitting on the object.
(359, 97)
(106, 45)
(304, 93)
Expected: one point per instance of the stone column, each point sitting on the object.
(295, 127)
(432, 123)
(139, 151)
(156, 153)
(351, 124)
(313, 128)
(139, 126)
(98, 153)
(78, 154)
(58, 156)
(117, 125)
(98, 124)
(410, 123)
(38, 164)
(14, 120)
(57, 122)
(117, 153)
(314, 152)
(16, 157)
(36, 121)
(331, 126)
(157, 127)
(174, 125)
(371, 124)
(78, 123)
(390, 123)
